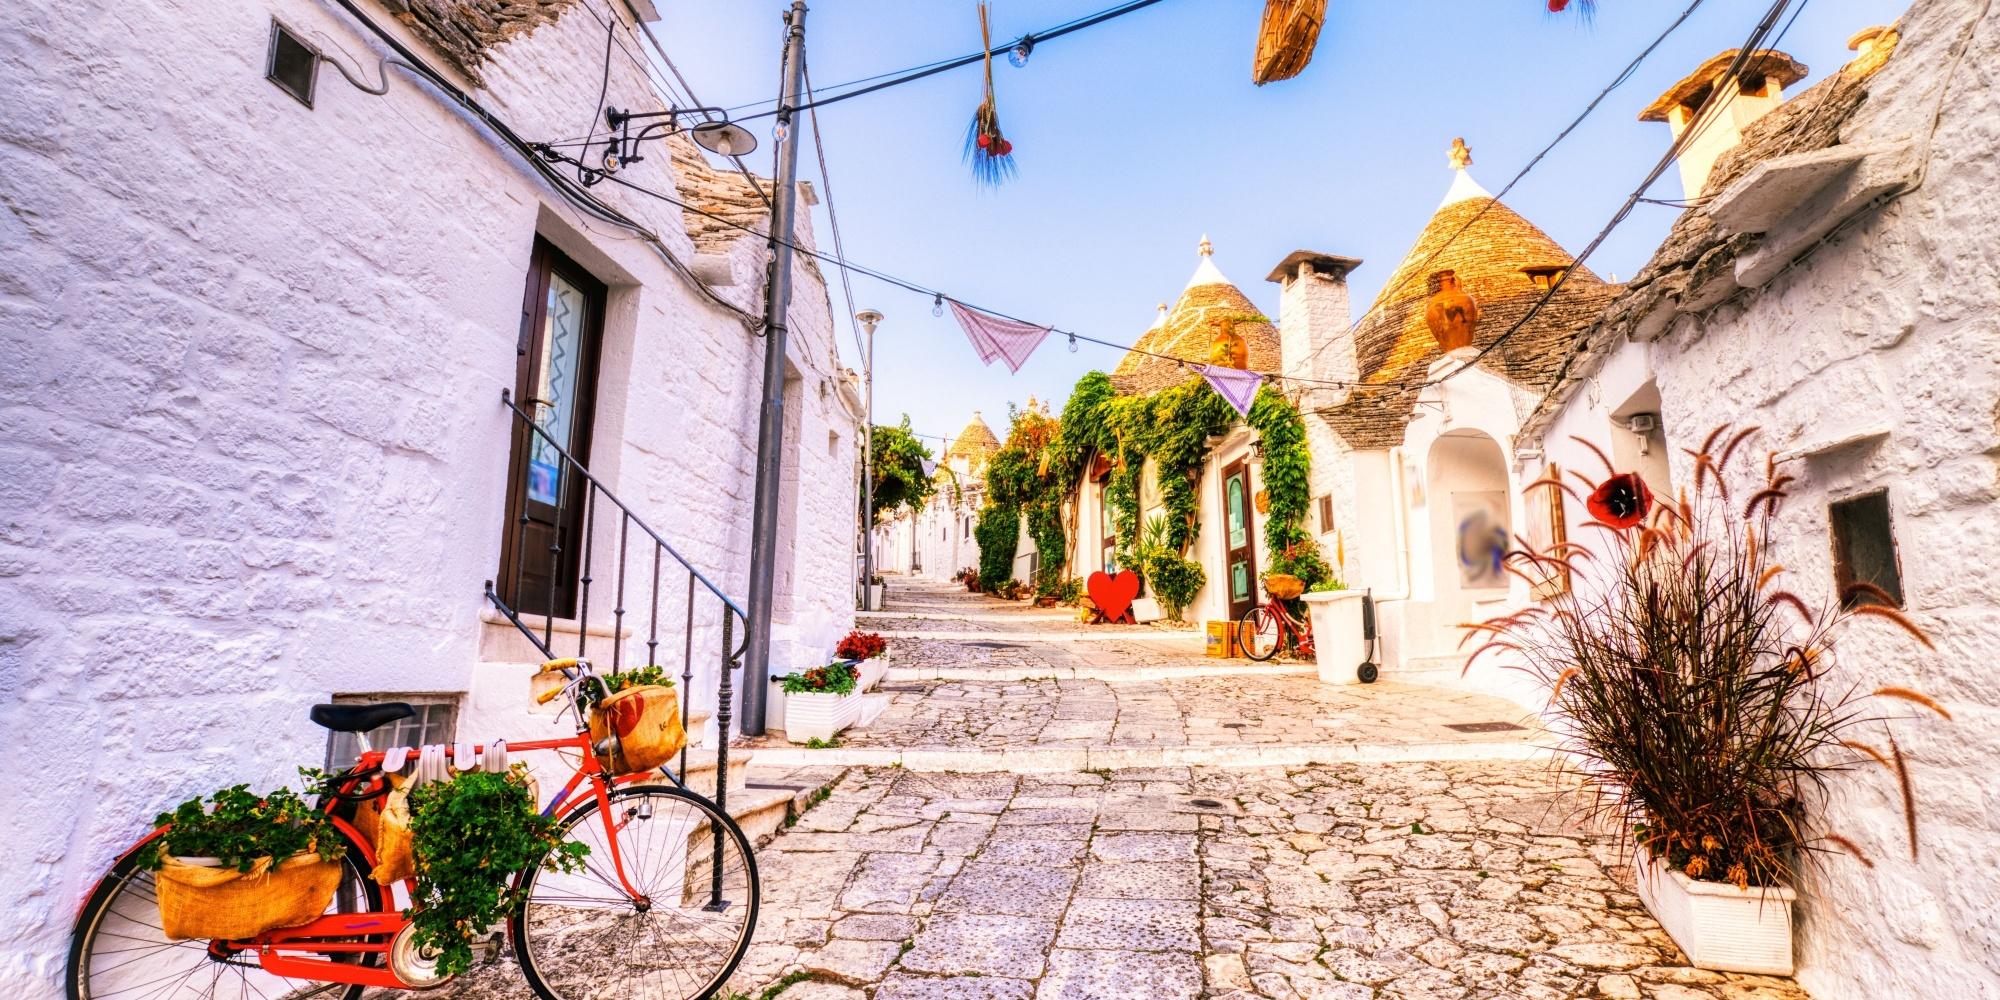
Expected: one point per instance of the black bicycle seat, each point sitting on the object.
(360, 718)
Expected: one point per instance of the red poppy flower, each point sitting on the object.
(1621, 501)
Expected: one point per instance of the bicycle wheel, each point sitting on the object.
(119, 952)
(1261, 634)
(576, 932)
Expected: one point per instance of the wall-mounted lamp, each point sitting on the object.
(1642, 426)
(722, 137)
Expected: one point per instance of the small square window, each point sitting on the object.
(1326, 514)
(436, 721)
(292, 64)
(1864, 548)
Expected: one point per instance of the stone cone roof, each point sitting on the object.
(976, 443)
(1393, 345)
(1188, 330)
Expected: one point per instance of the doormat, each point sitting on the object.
(1483, 727)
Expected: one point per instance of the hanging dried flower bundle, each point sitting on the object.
(989, 152)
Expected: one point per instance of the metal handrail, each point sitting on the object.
(507, 400)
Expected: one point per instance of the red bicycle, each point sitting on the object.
(1270, 627)
(664, 905)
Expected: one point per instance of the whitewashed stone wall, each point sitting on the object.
(1892, 325)
(250, 408)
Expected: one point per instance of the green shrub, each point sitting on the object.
(1175, 582)
(834, 678)
(999, 531)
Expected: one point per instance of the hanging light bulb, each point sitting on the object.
(1072, 343)
(937, 306)
(780, 130)
(611, 161)
(1018, 55)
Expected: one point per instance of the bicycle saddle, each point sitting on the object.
(360, 718)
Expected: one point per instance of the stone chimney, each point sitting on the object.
(1718, 118)
(1315, 339)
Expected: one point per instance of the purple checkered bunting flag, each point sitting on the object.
(995, 338)
(1236, 386)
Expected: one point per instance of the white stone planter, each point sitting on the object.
(1719, 926)
(811, 717)
(1337, 642)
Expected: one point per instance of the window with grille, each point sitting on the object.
(436, 721)
(1864, 548)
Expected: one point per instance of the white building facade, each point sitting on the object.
(1837, 291)
(252, 414)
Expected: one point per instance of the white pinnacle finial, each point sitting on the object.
(1207, 248)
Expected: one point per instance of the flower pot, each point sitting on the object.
(199, 900)
(1336, 622)
(811, 717)
(1719, 926)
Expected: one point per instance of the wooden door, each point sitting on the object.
(1239, 539)
(562, 329)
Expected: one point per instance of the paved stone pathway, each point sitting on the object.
(997, 864)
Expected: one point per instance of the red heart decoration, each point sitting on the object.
(1113, 593)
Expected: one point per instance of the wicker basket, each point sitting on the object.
(200, 903)
(1286, 39)
(1284, 586)
(638, 729)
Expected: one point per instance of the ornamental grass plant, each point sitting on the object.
(1690, 687)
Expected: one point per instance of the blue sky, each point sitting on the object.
(1137, 136)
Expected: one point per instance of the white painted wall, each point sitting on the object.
(251, 411)
(1890, 325)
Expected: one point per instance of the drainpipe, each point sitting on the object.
(1400, 517)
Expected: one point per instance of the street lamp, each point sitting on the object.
(868, 318)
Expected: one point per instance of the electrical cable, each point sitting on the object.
(833, 222)
(1616, 82)
(1039, 37)
(1728, 79)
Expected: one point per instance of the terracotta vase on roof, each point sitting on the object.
(1453, 315)
(1228, 349)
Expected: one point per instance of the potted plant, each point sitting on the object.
(821, 702)
(471, 834)
(241, 863)
(859, 645)
(1691, 691)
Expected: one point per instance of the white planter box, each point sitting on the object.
(1337, 642)
(811, 717)
(1719, 926)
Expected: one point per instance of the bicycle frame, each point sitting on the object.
(289, 952)
(1299, 629)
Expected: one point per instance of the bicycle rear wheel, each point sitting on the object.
(1261, 634)
(576, 932)
(118, 950)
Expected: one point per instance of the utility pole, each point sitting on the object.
(868, 318)
(771, 418)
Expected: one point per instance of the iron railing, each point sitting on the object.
(589, 527)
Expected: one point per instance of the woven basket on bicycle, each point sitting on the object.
(207, 903)
(637, 729)
(1284, 586)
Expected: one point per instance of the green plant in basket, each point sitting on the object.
(238, 827)
(650, 675)
(472, 834)
(834, 678)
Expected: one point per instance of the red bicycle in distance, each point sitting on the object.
(1270, 627)
(664, 905)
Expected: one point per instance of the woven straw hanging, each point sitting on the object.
(1286, 40)
(986, 148)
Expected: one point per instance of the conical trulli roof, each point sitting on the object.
(1504, 262)
(976, 443)
(1188, 330)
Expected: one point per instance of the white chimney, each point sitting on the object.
(1719, 116)
(1315, 338)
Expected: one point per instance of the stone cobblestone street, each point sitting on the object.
(1434, 864)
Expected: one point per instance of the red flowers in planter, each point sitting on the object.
(1621, 501)
(861, 645)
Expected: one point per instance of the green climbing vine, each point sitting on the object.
(1042, 459)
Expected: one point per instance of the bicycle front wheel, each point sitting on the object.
(697, 883)
(1261, 634)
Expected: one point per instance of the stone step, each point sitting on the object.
(774, 797)
(1071, 759)
(1216, 668)
(1444, 670)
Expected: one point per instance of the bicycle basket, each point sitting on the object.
(198, 903)
(1284, 586)
(637, 729)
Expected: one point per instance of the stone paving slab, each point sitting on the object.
(1407, 881)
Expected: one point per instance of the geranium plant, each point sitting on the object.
(834, 678)
(238, 827)
(1690, 686)
(859, 645)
